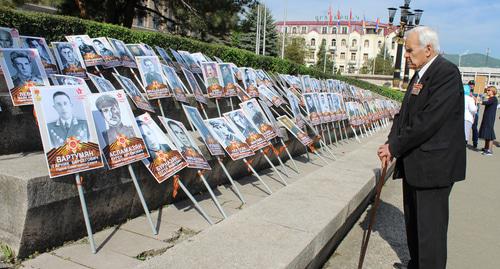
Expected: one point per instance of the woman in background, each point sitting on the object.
(486, 131)
(469, 112)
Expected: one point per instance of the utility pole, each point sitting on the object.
(284, 33)
(264, 39)
(487, 55)
(257, 35)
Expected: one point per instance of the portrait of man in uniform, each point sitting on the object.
(311, 106)
(151, 72)
(181, 137)
(211, 74)
(102, 84)
(84, 47)
(67, 125)
(136, 49)
(101, 48)
(227, 75)
(256, 115)
(242, 123)
(68, 57)
(24, 71)
(109, 108)
(153, 142)
(294, 103)
(40, 46)
(223, 131)
(6, 38)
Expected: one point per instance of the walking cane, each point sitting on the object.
(366, 234)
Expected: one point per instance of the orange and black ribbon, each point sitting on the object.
(175, 186)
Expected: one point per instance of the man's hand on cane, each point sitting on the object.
(384, 154)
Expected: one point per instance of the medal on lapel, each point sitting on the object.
(415, 90)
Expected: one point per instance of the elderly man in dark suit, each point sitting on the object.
(428, 142)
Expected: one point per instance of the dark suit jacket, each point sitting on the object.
(427, 135)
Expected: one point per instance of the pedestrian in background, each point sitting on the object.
(469, 112)
(486, 131)
(475, 134)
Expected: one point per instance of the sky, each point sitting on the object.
(462, 25)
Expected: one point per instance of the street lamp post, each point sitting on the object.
(407, 20)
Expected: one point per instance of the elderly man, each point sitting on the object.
(110, 111)
(427, 140)
(24, 70)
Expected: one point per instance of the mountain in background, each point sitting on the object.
(474, 60)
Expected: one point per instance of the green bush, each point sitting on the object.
(55, 27)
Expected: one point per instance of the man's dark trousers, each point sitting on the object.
(475, 134)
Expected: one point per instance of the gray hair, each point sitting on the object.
(426, 36)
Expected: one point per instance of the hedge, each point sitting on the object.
(55, 27)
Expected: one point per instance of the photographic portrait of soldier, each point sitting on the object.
(70, 122)
(233, 142)
(136, 49)
(236, 71)
(101, 84)
(87, 50)
(295, 130)
(9, 38)
(150, 69)
(24, 67)
(126, 58)
(306, 84)
(210, 73)
(38, 43)
(175, 83)
(239, 120)
(66, 80)
(227, 74)
(69, 59)
(109, 111)
(164, 56)
(148, 50)
(249, 77)
(254, 112)
(196, 120)
(134, 93)
(188, 59)
(195, 87)
(156, 141)
(103, 47)
(294, 103)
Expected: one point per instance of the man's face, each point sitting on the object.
(222, 130)
(181, 136)
(5, 39)
(210, 71)
(238, 118)
(150, 137)
(67, 54)
(148, 65)
(251, 107)
(416, 55)
(111, 115)
(79, 41)
(23, 66)
(63, 106)
(98, 44)
(33, 43)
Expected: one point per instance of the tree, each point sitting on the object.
(382, 66)
(248, 32)
(322, 57)
(295, 50)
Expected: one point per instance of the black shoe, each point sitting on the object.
(487, 153)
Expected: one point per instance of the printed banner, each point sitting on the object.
(253, 112)
(121, 50)
(195, 118)
(228, 80)
(175, 83)
(164, 159)
(133, 92)
(70, 143)
(23, 70)
(195, 87)
(212, 79)
(152, 77)
(119, 137)
(39, 43)
(87, 50)
(243, 125)
(69, 59)
(312, 108)
(232, 141)
(294, 130)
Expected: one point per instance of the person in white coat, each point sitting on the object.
(469, 112)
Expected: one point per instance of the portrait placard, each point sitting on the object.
(196, 120)
(148, 50)
(175, 83)
(236, 72)
(312, 108)
(9, 38)
(249, 81)
(294, 101)
(294, 130)
(211, 76)
(164, 159)
(39, 43)
(185, 143)
(152, 77)
(102, 84)
(325, 108)
(23, 70)
(137, 50)
(195, 87)
(119, 136)
(106, 51)
(87, 50)
(228, 81)
(231, 140)
(253, 111)
(68, 80)
(70, 143)
(191, 63)
(69, 59)
(134, 93)
(164, 56)
(269, 114)
(333, 100)
(121, 50)
(179, 59)
(306, 84)
(271, 96)
(242, 94)
(243, 125)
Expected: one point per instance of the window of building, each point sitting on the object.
(334, 30)
(334, 43)
(392, 58)
(156, 22)
(366, 44)
(303, 30)
(393, 45)
(324, 30)
(341, 68)
(354, 43)
(365, 57)
(344, 30)
(343, 43)
(342, 55)
(294, 30)
(379, 44)
(140, 19)
(313, 42)
(353, 56)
